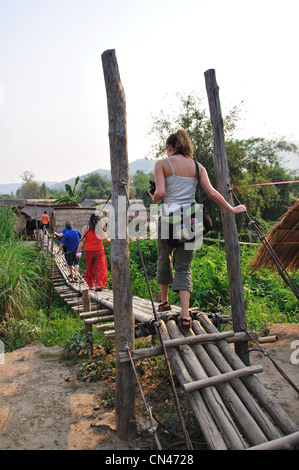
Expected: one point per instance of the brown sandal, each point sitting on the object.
(185, 323)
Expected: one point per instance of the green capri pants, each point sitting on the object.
(182, 279)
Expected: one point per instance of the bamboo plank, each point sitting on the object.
(107, 326)
(93, 321)
(95, 313)
(226, 377)
(109, 334)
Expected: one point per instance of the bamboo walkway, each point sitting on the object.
(231, 406)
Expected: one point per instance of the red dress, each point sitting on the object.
(96, 263)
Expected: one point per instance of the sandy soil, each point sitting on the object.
(44, 407)
(286, 355)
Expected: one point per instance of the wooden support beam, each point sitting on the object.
(226, 377)
(120, 269)
(228, 219)
(88, 328)
(173, 343)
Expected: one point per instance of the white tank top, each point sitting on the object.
(179, 190)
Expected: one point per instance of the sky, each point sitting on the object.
(53, 105)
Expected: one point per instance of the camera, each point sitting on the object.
(153, 187)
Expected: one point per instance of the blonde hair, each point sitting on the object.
(181, 143)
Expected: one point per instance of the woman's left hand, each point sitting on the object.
(150, 194)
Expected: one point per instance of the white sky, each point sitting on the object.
(53, 107)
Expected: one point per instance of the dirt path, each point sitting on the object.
(43, 407)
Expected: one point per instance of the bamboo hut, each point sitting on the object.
(284, 239)
(63, 213)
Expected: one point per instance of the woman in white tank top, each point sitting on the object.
(176, 184)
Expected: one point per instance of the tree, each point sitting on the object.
(30, 189)
(27, 177)
(96, 186)
(250, 161)
(44, 191)
(140, 183)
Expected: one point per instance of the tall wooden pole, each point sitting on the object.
(120, 270)
(228, 219)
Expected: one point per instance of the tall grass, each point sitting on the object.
(22, 280)
(21, 270)
(24, 287)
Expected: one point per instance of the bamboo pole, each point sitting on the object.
(226, 377)
(212, 435)
(211, 396)
(253, 384)
(96, 313)
(173, 343)
(104, 327)
(283, 443)
(252, 406)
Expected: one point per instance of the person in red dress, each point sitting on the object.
(96, 263)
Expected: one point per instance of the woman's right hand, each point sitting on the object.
(239, 209)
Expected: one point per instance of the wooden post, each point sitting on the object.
(87, 308)
(51, 276)
(120, 270)
(228, 219)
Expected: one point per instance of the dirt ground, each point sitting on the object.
(44, 407)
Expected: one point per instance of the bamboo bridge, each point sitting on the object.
(231, 406)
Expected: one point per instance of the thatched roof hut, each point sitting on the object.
(284, 239)
(78, 216)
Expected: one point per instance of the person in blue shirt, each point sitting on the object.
(71, 240)
(60, 235)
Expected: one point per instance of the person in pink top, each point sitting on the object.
(96, 263)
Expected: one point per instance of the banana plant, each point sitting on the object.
(73, 194)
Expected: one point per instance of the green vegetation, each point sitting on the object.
(24, 288)
(268, 299)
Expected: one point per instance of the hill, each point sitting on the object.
(141, 164)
